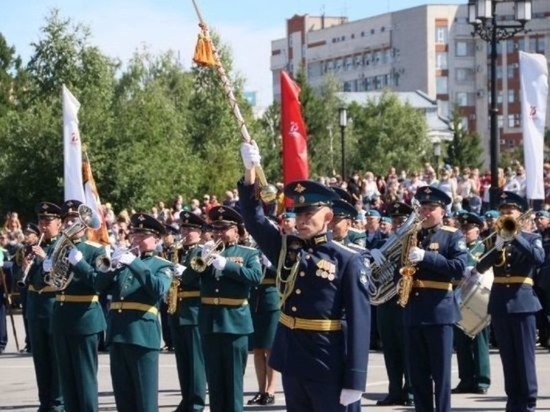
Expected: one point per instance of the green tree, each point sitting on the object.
(465, 149)
(387, 133)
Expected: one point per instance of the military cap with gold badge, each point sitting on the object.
(48, 210)
(432, 195)
(469, 220)
(70, 208)
(224, 216)
(144, 223)
(308, 195)
(188, 219)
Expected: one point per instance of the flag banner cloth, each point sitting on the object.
(533, 69)
(72, 148)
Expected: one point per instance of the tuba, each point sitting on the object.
(381, 285)
(60, 276)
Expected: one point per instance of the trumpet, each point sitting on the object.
(106, 263)
(200, 263)
(21, 258)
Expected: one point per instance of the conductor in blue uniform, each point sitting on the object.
(322, 340)
(432, 309)
(513, 303)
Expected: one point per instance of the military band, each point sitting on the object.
(513, 303)
(137, 282)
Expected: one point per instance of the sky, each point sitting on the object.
(120, 27)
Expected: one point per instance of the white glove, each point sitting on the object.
(75, 256)
(250, 154)
(416, 254)
(499, 243)
(219, 262)
(348, 396)
(378, 258)
(468, 271)
(207, 247)
(178, 270)
(127, 258)
(47, 265)
(265, 261)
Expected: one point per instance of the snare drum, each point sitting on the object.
(473, 299)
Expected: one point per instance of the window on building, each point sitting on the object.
(353, 35)
(338, 65)
(441, 85)
(521, 45)
(441, 34)
(349, 63)
(443, 108)
(389, 56)
(357, 61)
(500, 121)
(362, 34)
(499, 72)
(499, 97)
(464, 48)
(510, 46)
(368, 84)
(532, 44)
(540, 45)
(441, 60)
(377, 57)
(463, 99)
(510, 71)
(330, 66)
(511, 96)
(464, 75)
(382, 29)
(372, 31)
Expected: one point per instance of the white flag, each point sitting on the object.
(533, 70)
(72, 148)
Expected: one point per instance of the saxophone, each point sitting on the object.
(172, 294)
(408, 269)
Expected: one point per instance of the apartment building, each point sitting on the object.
(428, 48)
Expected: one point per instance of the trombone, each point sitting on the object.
(200, 263)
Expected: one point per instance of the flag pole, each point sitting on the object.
(209, 56)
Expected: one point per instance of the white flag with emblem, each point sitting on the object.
(72, 148)
(533, 70)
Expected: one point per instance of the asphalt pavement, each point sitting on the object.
(18, 386)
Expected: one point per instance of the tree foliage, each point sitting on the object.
(465, 149)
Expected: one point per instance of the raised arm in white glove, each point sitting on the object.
(265, 261)
(127, 258)
(348, 396)
(499, 242)
(219, 262)
(416, 254)
(47, 265)
(250, 154)
(178, 270)
(75, 256)
(377, 257)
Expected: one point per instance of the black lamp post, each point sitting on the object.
(343, 112)
(482, 16)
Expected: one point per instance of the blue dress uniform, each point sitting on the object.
(474, 369)
(133, 327)
(40, 302)
(322, 340)
(77, 320)
(184, 325)
(542, 285)
(432, 309)
(389, 318)
(512, 306)
(224, 316)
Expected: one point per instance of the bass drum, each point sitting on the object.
(473, 300)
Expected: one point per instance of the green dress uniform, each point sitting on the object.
(40, 302)
(184, 325)
(77, 320)
(224, 316)
(389, 319)
(474, 369)
(133, 327)
(265, 310)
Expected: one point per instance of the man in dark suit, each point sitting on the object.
(138, 283)
(40, 302)
(224, 316)
(321, 343)
(513, 303)
(432, 309)
(77, 320)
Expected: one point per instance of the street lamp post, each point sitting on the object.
(343, 112)
(482, 16)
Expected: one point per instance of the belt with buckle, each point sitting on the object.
(45, 289)
(224, 301)
(77, 298)
(268, 281)
(506, 280)
(142, 307)
(189, 294)
(318, 325)
(432, 284)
